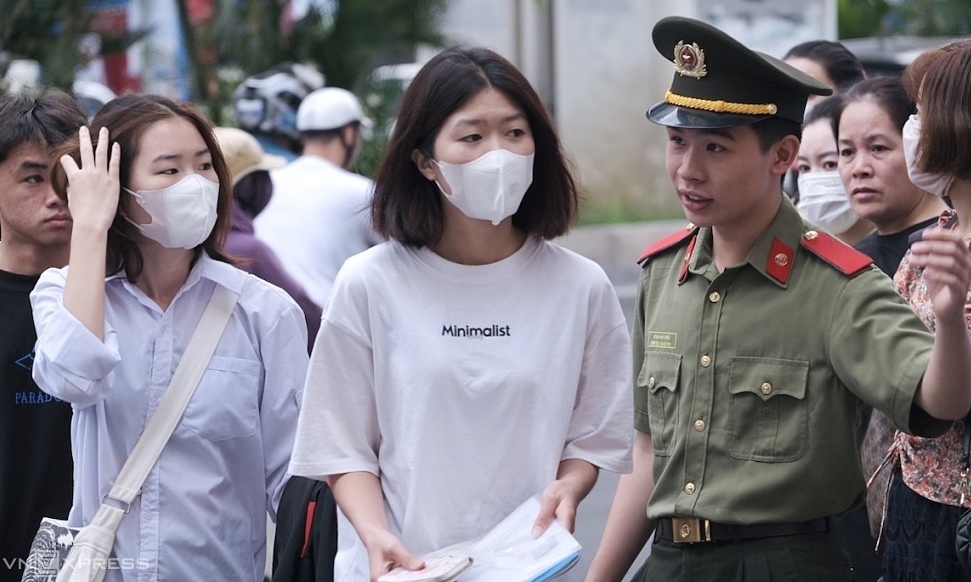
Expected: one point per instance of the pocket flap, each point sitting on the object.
(768, 377)
(660, 370)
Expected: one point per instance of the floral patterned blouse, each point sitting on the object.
(931, 467)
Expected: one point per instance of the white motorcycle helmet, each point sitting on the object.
(267, 102)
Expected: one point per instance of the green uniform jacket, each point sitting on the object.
(756, 384)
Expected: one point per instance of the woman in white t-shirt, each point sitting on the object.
(151, 204)
(469, 363)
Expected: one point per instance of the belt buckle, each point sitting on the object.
(690, 530)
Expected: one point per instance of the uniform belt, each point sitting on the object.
(690, 530)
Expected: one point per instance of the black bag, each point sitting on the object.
(962, 539)
(306, 533)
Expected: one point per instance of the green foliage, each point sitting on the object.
(378, 100)
(246, 35)
(597, 211)
(861, 18)
(933, 17)
(363, 34)
(345, 44)
(48, 32)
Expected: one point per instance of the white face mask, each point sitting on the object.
(183, 214)
(490, 187)
(823, 200)
(938, 184)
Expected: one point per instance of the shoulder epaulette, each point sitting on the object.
(840, 255)
(667, 242)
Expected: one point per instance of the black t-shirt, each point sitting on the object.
(887, 250)
(36, 468)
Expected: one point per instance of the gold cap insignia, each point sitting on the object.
(689, 60)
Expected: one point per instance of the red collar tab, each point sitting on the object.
(779, 264)
(845, 258)
(667, 242)
(687, 260)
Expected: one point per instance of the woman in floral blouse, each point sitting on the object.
(927, 491)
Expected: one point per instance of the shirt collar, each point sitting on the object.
(206, 267)
(773, 253)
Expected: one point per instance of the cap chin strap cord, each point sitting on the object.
(720, 106)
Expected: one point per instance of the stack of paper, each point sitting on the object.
(506, 553)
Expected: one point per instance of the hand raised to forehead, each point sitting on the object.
(93, 187)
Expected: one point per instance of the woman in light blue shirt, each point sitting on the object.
(151, 206)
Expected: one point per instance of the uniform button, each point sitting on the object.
(811, 235)
(699, 425)
(766, 388)
(689, 488)
(715, 297)
(705, 361)
(781, 259)
(651, 382)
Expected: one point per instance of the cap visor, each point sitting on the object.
(271, 162)
(673, 116)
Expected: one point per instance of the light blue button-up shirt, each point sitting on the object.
(202, 511)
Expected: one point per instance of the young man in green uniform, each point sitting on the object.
(760, 342)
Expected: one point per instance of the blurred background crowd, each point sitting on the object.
(590, 60)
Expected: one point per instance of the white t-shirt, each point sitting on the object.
(318, 216)
(463, 387)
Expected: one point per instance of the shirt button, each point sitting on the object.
(651, 382)
(705, 361)
(689, 488)
(766, 388)
(699, 425)
(715, 297)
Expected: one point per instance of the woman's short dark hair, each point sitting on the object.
(127, 118)
(940, 80)
(407, 207)
(887, 91)
(841, 65)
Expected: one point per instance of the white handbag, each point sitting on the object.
(64, 554)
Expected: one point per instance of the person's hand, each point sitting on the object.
(946, 263)
(559, 501)
(386, 552)
(93, 187)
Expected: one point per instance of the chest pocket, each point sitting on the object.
(658, 396)
(768, 411)
(225, 405)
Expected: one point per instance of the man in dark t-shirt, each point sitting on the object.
(36, 471)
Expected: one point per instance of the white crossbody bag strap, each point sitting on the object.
(193, 363)
(89, 555)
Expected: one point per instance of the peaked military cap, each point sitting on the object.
(719, 82)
